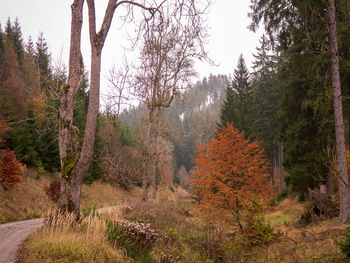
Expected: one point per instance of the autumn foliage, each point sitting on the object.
(10, 169)
(229, 171)
(52, 190)
(3, 130)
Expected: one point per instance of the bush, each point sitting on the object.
(53, 189)
(140, 232)
(254, 229)
(344, 245)
(10, 169)
(136, 238)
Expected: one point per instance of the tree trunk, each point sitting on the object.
(344, 193)
(147, 174)
(280, 167)
(79, 165)
(330, 177)
(70, 193)
(144, 187)
(154, 169)
(75, 163)
(154, 181)
(273, 170)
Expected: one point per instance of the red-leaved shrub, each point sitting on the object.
(10, 169)
(53, 189)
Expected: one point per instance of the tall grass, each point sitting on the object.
(62, 239)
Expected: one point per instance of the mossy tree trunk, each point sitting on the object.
(75, 162)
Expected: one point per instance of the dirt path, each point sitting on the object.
(13, 234)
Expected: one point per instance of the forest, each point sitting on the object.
(246, 167)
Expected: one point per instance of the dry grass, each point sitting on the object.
(176, 195)
(183, 234)
(313, 243)
(100, 194)
(64, 240)
(26, 200)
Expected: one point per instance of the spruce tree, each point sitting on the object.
(43, 60)
(237, 107)
(266, 99)
(14, 33)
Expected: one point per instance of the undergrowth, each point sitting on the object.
(62, 239)
(168, 231)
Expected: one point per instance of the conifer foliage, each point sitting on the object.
(229, 170)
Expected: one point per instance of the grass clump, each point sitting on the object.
(62, 239)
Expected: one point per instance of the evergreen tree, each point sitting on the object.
(306, 116)
(266, 99)
(43, 60)
(237, 107)
(229, 113)
(14, 33)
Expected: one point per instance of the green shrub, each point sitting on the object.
(254, 229)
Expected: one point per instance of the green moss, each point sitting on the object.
(68, 166)
(65, 88)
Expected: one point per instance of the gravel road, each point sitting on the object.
(13, 234)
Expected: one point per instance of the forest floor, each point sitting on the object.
(28, 199)
(169, 230)
(165, 230)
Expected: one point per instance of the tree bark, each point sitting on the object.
(344, 193)
(273, 170)
(280, 167)
(75, 163)
(155, 169)
(70, 192)
(330, 177)
(147, 174)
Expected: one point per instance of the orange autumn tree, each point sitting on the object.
(10, 169)
(229, 171)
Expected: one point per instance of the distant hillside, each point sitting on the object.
(189, 121)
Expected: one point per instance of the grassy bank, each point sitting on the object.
(169, 230)
(28, 199)
(64, 240)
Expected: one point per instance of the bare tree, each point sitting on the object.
(75, 162)
(344, 191)
(164, 72)
(120, 163)
(118, 85)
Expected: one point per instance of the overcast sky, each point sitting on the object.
(228, 21)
